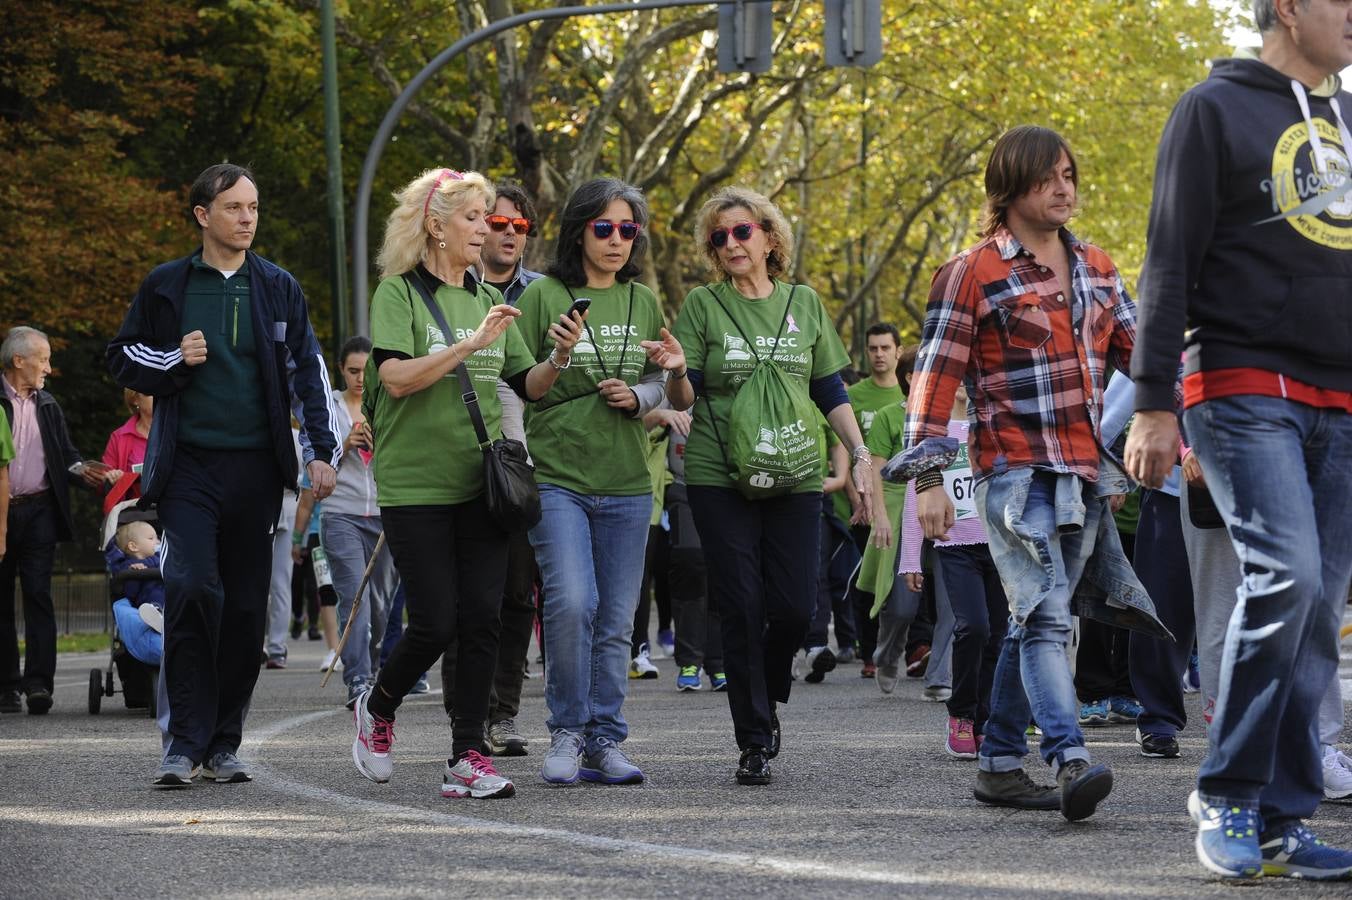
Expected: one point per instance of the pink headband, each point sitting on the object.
(445, 173)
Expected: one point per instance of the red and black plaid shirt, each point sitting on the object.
(1033, 359)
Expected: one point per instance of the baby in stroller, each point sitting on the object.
(134, 565)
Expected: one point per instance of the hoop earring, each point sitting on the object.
(441, 244)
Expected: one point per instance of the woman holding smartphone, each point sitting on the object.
(587, 439)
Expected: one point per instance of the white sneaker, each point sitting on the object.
(151, 616)
(642, 666)
(474, 776)
(332, 661)
(936, 693)
(371, 748)
(1337, 774)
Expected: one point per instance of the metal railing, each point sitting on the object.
(80, 600)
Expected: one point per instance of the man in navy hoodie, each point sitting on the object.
(211, 337)
(1249, 264)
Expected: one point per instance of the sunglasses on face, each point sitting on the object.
(604, 228)
(500, 223)
(742, 231)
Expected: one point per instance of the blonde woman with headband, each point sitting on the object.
(451, 555)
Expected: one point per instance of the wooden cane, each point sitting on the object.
(356, 605)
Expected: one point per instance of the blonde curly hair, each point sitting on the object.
(763, 212)
(435, 194)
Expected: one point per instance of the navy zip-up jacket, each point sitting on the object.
(145, 357)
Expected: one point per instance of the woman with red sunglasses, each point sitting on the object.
(762, 556)
(587, 439)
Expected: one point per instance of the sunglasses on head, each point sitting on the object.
(742, 231)
(500, 223)
(604, 228)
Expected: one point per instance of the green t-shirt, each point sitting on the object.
(577, 441)
(6, 442)
(808, 348)
(886, 438)
(867, 399)
(426, 450)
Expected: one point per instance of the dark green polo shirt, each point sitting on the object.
(222, 407)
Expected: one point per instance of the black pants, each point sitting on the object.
(761, 559)
(1161, 562)
(29, 557)
(835, 539)
(218, 510)
(966, 579)
(1101, 661)
(655, 588)
(453, 562)
(518, 618)
(304, 591)
(699, 628)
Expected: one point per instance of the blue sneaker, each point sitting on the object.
(718, 681)
(1094, 713)
(667, 641)
(1293, 851)
(1227, 838)
(1124, 710)
(1192, 678)
(688, 679)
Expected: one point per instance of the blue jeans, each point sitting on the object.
(1032, 676)
(1281, 476)
(348, 543)
(590, 552)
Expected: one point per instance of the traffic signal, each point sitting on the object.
(854, 32)
(745, 36)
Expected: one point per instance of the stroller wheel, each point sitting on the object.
(95, 691)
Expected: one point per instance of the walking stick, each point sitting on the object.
(356, 605)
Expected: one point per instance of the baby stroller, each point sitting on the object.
(138, 679)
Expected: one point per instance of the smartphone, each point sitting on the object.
(579, 306)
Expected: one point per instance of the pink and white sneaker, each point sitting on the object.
(473, 775)
(961, 741)
(371, 749)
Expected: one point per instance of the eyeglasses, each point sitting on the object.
(500, 223)
(604, 228)
(742, 231)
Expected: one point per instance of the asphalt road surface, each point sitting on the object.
(864, 803)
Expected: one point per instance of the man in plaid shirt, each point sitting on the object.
(1029, 318)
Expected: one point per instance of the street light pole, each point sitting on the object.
(362, 212)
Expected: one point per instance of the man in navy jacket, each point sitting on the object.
(1249, 265)
(211, 337)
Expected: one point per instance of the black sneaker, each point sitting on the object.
(754, 767)
(39, 701)
(1014, 789)
(11, 702)
(775, 734)
(820, 660)
(1157, 746)
(1083, 787)
(297, 626)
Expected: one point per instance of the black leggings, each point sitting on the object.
(453, 562)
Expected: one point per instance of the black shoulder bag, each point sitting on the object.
(509, 479)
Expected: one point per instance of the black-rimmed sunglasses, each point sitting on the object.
(742, 231)
(604, 228)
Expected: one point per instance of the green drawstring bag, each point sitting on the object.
(774, 443)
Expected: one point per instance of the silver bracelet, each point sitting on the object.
(860, 455)
(553, 362)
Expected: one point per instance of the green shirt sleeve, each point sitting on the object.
(392, 317)
(828, 353)
(6, 442)
(886, 437)
(519, 359)
(689, 330)
(530, 324)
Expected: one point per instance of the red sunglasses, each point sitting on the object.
(604, 228)
(500, 223)
(742, 231)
